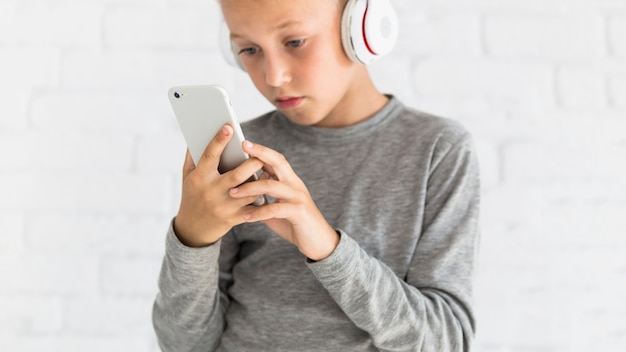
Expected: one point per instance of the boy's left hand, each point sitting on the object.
(293, 216)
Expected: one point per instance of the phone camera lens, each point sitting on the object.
(176, 95)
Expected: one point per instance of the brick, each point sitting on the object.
(505, 255)
(14, 102)
(617, 87)
(513, 6)
(58, 24)
(137, 72)
(64, 343)
(35, 151)
(103, 112)
(617, 35)
(28, 315)
(28, 67)
(581, 88)
(388, 75)
(541, 290)
(504, 124)
(507, 212)
(161, 153)
(178, 27)
(84, 191)
(563, 282)
(489, 163)
(547, 163)
(570, 127)
(12, 230)
(8, 11)
(591, 226)
(590, 191)
(44, 274)
(119, 316)
(130, 276)
(509, 82)
(76, 233)
(438, 33)
(552, 37)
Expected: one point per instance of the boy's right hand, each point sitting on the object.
(207, 211)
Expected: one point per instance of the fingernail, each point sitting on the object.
(249, 144)
(226, 131)
(247, 216)
(234, 190)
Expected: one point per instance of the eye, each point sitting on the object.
(295, 43)
(248, 51)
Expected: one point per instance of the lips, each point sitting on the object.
(285, 103)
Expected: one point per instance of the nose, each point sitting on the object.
(277, 70)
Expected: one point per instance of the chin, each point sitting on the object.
(300, 118)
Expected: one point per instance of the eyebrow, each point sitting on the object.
(281, 26)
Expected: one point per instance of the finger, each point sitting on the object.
(275, 163)
(240, 202)
(269, 211)
(272, 188)
(188, 166)
(211, 157)
(243, 172)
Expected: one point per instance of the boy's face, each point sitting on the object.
(292, 51)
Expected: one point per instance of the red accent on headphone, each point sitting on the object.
(367, 45)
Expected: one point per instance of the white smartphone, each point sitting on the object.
(201, 112)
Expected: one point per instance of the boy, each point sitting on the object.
(370, 242)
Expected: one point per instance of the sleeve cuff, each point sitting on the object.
(341, 262)
(183, 256)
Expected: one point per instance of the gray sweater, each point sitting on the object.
(402, 190)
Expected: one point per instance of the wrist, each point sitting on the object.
(331, 244)
(188, 241)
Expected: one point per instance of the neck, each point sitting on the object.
(360, 102)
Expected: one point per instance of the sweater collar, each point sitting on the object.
(343, 135)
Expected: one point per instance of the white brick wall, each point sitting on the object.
(90, 159)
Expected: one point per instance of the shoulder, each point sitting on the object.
(428, 129)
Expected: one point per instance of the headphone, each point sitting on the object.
(369, 30)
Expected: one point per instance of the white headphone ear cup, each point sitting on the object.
(381, 27)
(226, 47)
(351, 31)
(369, 29)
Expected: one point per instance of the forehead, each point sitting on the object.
(259, 12)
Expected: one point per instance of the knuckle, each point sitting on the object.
(270, 185)
(234, 177)
(300, 208)
(194, 181)
(258, 164)
(209, 198)
(272, 210)
(210, 154)
(281, 158)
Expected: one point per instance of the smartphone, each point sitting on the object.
(201, 112)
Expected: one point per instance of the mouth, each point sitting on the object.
(285, 103)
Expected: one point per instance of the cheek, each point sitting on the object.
(318, 68)
(257, 77)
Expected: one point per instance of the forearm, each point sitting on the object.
(397, 315)
(186, 313)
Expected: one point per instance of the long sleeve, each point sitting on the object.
(188, 313)
(402, 188)
(429, 309)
